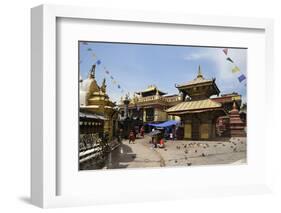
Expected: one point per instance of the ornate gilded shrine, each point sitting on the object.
(93, 99)
(198, 112)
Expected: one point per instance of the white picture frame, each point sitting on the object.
(44, 148)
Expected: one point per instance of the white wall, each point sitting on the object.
(15, 98)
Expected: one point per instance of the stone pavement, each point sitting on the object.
(177, 153)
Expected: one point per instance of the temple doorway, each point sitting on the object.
(204, 131)
(187, 131)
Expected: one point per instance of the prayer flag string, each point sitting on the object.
(98, 62)
(234, 69)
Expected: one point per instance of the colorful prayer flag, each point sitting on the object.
(235, 69)
(114, 82)
(229, 59)
(241, 78)
(225, 50)
(98, 62)
(107, 72)
(119, 86)
(111, 77)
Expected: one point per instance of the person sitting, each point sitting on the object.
(161, 143)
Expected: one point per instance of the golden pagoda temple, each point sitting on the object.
(93, 99)
(198, 112)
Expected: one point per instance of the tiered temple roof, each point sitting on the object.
(199, 88)
(150, 90)
(194, 106)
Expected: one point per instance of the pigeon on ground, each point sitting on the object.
(189, 164)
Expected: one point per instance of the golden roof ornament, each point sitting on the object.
(234, 105)
(92, 71)
(199, 72)
(103, 86)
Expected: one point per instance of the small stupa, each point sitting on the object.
(237, 127)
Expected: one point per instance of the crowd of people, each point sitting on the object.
(157, 140)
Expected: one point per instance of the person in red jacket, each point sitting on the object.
(161, 143)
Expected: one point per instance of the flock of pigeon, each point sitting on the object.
(199, 149)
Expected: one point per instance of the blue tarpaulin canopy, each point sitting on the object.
(165, 124)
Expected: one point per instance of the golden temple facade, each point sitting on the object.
(93, 99)
(148, 105)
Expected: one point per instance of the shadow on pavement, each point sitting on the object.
(119, 157)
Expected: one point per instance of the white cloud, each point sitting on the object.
(217, 56)
(196, 56)
(239, 56)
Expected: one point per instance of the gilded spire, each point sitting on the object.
(92, 71)
(199, 72)
(234, 105)
(103, 86)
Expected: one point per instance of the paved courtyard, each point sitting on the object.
(141, 154)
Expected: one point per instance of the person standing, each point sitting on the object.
(171, 136)
(142, 132)
(132, 137)
(120, 135)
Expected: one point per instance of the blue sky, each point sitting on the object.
(135, 66)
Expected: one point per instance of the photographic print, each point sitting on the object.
(156, 105)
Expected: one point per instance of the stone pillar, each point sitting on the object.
(236, 125)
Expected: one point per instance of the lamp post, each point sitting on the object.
(126, 103)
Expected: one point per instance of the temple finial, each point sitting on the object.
(103, 86)
(199, 72)
(92, 71)
(234, 105)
